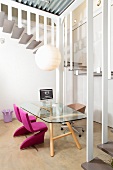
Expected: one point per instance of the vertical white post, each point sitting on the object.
(104, 71)
(19, 18)
(66, 41)
(37, 27)
(59, 70)
(64, 85)
(90, 90)
(52, 32)
(71, 53)
(109, 39)
(45, 30)
(9, 12)
(71, 41)
(28, 23)
(65, 59)
(0, 7)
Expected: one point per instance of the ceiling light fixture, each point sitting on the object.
(48, 57)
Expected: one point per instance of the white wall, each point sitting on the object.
(20, 78)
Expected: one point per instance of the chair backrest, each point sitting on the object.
(77, 106)
(17, 113)
(25, 120)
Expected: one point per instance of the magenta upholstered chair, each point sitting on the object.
(22, 130)
(38, 127)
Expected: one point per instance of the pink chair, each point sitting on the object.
(38, 127)
(22, 130)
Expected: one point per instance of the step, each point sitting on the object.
(107, 147)
(17, 32)
(33, 44)
(35, 51)
(73, 64)
(97, 74)
(96, 164)
(25, 38)
(2, 15)
(78, 68)
(8, 26)
(82, 66)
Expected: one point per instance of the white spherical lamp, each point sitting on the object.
(48, 57)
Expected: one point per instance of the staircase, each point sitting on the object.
(18, 33)
(98, 164)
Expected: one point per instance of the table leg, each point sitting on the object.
(51, 139)
(37, 119)
(74, 136)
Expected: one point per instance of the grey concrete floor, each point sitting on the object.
(67, 156)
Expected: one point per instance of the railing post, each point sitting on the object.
(104, 71)
(90, 82)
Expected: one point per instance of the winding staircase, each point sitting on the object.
(18, 33)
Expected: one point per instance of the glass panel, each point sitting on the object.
(52, 112)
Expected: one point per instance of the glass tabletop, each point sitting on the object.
(52, 112)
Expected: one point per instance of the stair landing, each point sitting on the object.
(96, 164)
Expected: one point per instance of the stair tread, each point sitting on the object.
(25, 38)
(107, 147)
(74, 64)
(33, 44)
(8, 25)
(96, 164)
(35, 51)
(2, 15)
(17, 32)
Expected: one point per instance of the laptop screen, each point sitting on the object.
(46, 94)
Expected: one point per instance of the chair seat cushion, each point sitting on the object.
(32, 118)
(39, 126)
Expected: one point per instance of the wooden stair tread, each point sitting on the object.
(96, 164)
(33, 44)
(2, 15)
(8, 25)
(17, 32)
(25, 38)
(107, 147)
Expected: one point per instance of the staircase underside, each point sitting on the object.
(25, 38)
(96, 164)
(8, 26)
(18, 33)
(33, 44)
(2, 15)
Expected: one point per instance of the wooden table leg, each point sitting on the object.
(51, 139)
(74, 136)
(37, 119)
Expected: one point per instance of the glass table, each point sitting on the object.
(51, 112)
